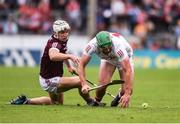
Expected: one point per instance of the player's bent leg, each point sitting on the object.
(40, 101)
(67, 83)
(45, 100)
(100, 92)
(105, 74)
(22, 99)
(87, 98)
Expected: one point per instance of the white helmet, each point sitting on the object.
(60, 25)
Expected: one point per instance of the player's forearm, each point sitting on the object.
(81, 72)
(128, 85)
(59, 56)
(128, 88)
(81, 69)
(128, 77)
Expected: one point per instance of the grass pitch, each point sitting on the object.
(159, 88)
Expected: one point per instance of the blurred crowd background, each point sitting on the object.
(149, 24)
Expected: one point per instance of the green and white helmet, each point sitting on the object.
(103, 39)
(60, 25)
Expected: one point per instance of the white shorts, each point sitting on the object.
(49, 85)
(116, 64)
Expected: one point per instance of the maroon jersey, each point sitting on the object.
(50, 68)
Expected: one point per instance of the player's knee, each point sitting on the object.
(103, 81)
(77, 81)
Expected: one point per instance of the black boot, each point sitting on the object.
(22, 99)
(93, 102)
(115, 101)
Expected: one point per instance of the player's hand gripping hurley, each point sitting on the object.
(96, 86)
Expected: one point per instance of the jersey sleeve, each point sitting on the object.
(53, 45)
(121, 53)
(120, 46)
(90, 48)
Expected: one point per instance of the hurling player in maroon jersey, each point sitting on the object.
(51, 70)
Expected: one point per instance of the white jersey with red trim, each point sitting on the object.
(120, 49)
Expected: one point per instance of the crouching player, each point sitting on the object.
(51, 70)
(115, 52)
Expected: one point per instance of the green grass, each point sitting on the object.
(159, 88)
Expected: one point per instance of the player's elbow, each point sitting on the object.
(53, 57)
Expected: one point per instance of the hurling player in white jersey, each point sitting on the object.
(114, 52)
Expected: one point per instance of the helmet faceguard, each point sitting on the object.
(103, 39)
(60, 26)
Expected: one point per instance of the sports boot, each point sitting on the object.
(115, 101)
(96, 103)
(93, 103)
(22, 99)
